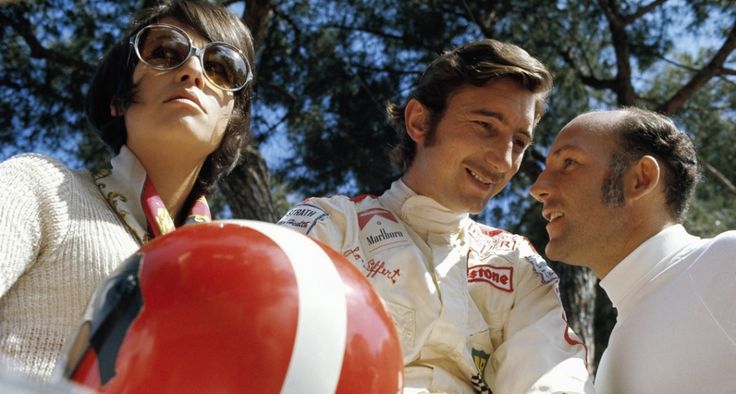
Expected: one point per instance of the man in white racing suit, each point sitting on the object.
(476, 308)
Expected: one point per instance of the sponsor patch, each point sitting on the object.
(378, 267)
(303, 217)
(365, 216)
(354, 254)
(373, 267)
(379, 229)
(541, 268)
(502, 242)
(481, 360)
(492, 240)
(501, 278)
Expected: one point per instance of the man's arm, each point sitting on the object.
(319, 218)
(540, 353)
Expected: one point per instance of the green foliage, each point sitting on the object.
(49, 49)
(326, 70)
(333, 65)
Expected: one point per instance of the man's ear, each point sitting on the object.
(643, 177)
(114, 111)
(417, 118)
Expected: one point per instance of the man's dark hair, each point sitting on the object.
(475, 64)
(113, 84)
(642, 132)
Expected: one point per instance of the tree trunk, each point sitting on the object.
(248, 188)
(578, 294)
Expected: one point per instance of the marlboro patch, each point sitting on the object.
(379, 229)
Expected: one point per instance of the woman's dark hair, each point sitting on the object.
(475, 64)
(113, 84)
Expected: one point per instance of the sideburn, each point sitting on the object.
(612, 190)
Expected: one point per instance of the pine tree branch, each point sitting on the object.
(624, 89)
(290, 21)
(375, 32)
(388, 70)
(485, 30)
(22, 26)
(629, 19)
(587, 79)
(722, 179)
(700, 78)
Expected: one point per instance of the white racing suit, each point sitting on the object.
(476, 308)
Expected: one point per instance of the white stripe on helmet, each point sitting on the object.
(319, 346)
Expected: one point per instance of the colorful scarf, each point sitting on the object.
(133, 197)
(159, 220)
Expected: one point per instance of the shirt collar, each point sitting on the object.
(643, 264)
(423, 214)
(122, 187)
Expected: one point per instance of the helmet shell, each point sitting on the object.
(236, 306)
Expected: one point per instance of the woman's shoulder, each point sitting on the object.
(38, 174)
(33, 163)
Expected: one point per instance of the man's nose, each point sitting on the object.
(500, 156)
(540, 188)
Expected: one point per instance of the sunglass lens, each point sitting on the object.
(163, 48)
(225, 67)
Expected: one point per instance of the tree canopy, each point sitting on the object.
(326, 70)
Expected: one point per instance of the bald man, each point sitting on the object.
(615, 191)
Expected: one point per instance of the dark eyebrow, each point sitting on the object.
(492, 114)
(502, 119)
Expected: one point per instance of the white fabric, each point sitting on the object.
(475, 307)
(676, 326)
(122, 187)
(58, 239)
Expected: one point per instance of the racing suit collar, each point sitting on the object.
(424, 215)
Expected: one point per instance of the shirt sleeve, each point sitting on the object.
(21, 216)
(712, 277)
(539, 353)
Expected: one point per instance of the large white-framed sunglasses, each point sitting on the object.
(166, 47)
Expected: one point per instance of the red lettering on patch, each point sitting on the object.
(491, 232)
(354, 253)
(365, 216)
(501, 278)
(374, 268)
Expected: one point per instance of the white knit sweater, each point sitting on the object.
(58, 239)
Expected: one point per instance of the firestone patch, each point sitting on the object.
(501, 278)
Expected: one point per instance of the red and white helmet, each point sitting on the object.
(236, 306)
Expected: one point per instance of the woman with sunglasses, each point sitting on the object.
(172, 101)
